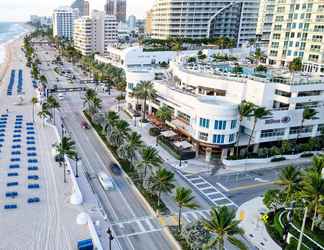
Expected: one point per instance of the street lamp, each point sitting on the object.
(62, 128)
(111, 237)
(77, 158)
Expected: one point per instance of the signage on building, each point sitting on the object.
(284, 119)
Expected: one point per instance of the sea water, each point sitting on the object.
(8, 32)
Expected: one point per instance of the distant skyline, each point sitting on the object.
(20, 10)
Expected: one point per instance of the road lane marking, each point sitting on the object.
(224, 188)
(251, 186)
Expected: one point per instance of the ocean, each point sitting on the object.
(8, 32)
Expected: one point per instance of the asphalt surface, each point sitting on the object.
(131, 220)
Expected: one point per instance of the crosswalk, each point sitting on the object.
(135, 227)
(209, 191)
(191, 216)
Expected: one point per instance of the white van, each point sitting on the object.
(105, 181)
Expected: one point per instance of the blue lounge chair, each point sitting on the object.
(33, 186)
(34, 168)
(30, 128)
(2, 130)
(12, 174)
(16, 140)
(18, 127)
(1, 140)
(17, 131)
(12, 166)
(10, 206)
(30, 142)
(33, 200)
(30, 138)
(32, 161)
(14, 159)
(2, 126)
(11, 194)
(15, 146)
(31, 148)
(16, 136)
(29, 123)
(2, 135)
(30, 133)
(11, 184)
(33, 177)
(31, 154)
(15, 152)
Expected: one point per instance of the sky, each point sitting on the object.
(20, 10)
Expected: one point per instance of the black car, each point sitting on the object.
(115, 169)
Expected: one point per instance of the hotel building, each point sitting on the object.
(204, 101)
(93, 34)
(116, 8)
(298, 31)
(63, 19)
(198, 19)
(83, 7)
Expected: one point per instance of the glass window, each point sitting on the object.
(233, 124)
(221, 125)
(219, 139)
(203, 136)
(204, 122)
(231, 137)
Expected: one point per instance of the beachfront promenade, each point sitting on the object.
(35, 207)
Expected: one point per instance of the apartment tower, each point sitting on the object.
(200, 19)
(298, 31)
(93, 34)
(116, 8)
(82, 6)
(63, 18)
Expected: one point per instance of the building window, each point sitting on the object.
(204, 123)
(299, 129)
(320, 127)
(233, 124)
(219, 139)
(272, 132)
(220, 125)
(231, 137)
(203, 136)
(130, 86)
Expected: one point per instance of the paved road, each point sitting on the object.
(131, 220)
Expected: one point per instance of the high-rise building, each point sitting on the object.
(205, 19)
(116, 8)
(298, 31)
(63, 18)
(93, 34)
(148, 22)
(132, 22)
(264, 25)
(82, 6)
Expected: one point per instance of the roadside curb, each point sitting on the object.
(129, 180)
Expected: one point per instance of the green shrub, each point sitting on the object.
(274, 151)
(277, 159)
(154, 131)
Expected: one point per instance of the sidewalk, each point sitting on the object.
(198, 166)
(255, 230)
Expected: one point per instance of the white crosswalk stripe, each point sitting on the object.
(207, 189)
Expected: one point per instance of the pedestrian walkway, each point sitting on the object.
(254, 228)
(210, 192)
(136, 227)
(196, 215)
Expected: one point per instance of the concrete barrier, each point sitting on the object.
(233, 163)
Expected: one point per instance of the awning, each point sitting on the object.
(168, 133)
(183, 144)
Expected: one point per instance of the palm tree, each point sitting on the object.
(223, 225)
(53, 104)
(294, 66)
(119, 133)
(290, 179)
(162, 182)
(43, 114)
(66, 148)
(308, 114)
(317, 164)
(245, 110)
(145, 91)
(95, 105)
(150, 160)
(313, 191)
(164, 113)
(184, 199)
(34, 101)
(110, 119)
(258, 114)
(90, 94)
(128, 149)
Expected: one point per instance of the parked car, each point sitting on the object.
(61, 96)
(115, 169)
(105, 181)
(85, 125)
